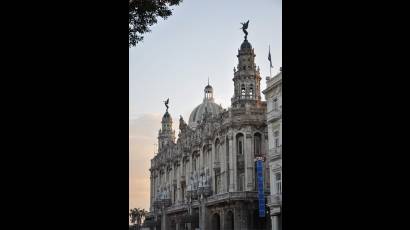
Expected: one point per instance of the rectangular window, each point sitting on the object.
(275, 104)
(240, 147)
(278, 178)
(276, 138)
(241, 183)
(217, 183)
(175, 193)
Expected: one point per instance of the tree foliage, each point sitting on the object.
(143, 14)
(137, 216)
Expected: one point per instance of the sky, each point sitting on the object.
(199, 41)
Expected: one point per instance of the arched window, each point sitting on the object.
(251, 90)
(243, 90)
(205, 156)
(257, 144)
(194, 162)
(239, 143)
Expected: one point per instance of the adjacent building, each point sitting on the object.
(273, 95)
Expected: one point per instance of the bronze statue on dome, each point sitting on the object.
(244, 28)
(166, 103)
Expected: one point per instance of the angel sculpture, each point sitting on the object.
(244, 27)
(166, 104)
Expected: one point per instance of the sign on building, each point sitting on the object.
(261, 194)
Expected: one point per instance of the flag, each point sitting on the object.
(269, 58)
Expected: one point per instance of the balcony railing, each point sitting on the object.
(232, 196)
(275, 199)
(176, 207)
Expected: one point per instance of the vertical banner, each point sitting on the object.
(261, 193)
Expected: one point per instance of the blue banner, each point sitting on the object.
(261, 193)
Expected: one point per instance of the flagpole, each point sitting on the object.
(270, 64)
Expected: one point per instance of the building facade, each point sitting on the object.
(273, 95)
(207, 178)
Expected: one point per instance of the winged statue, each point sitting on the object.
(244, 28)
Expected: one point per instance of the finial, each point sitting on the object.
(208, 80)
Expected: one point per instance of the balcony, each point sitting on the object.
(273, 115)
(176, 208)
(275, 153)
(222, 197)
(275, 200)
(205, 191)
(158, 204)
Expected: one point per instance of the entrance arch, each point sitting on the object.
(216, 222)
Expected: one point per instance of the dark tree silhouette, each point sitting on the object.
(143, 14)
(137, 216)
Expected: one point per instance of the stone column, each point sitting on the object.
(211, 167)
(275, 223)
(163, 219)
(238, 219)
(244, 218)
(222, 219)
(200, 217)
(222, 160)
(232, 163)
(201, 158)
(151, 179)
(249, 163)
(179, 174)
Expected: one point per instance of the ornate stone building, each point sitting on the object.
(273, 94)
(206, 178)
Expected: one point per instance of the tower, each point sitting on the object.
(246, 78)
(166, 134)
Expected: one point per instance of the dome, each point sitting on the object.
(208, 105)
(197, 114)
(167, 117)
(246, 45)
